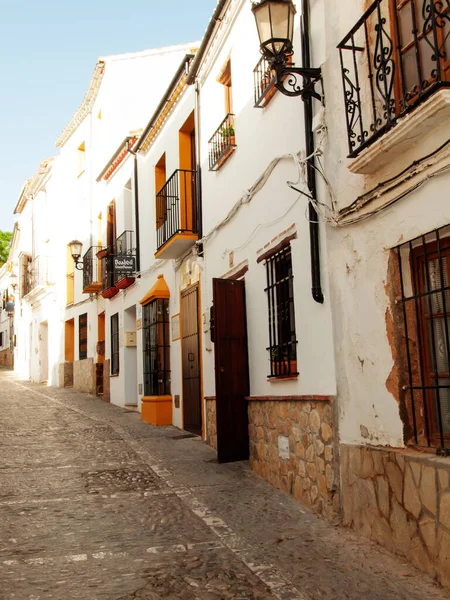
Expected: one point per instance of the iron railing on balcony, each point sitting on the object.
(124, 244)
(176, 206)
(395, 56)
(91, 268)
(264, 82)
(108, 275)
(222, 143)
(35, 274)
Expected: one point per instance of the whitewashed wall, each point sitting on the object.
(261, 135)
(358, 254)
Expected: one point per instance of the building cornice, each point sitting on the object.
(173, 93)
(118, 157)
(33, 185)
(86, 106)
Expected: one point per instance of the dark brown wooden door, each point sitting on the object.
(190, 351)
(231, 364)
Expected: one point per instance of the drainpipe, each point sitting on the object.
(316, 287)
(198, 165)
(136, 207)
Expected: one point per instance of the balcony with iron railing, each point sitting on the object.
(264, 83)
(222, 143)
(394, 59)
(92, 272)
(109, 289)
(35, 275)
(176, 214)
(125, 260)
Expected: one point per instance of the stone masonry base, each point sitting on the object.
(7, 358)
(401, 500)
(310, 473)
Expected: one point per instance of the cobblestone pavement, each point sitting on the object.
(95, 504)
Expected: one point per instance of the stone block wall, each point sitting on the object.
(310, 473)
(84, 376)
(66, 374)
(211, 427)
(7, 358)
(400, 499)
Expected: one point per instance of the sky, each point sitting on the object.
(48, 51)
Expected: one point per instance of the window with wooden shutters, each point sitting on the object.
(115, 344)
(156, 347)
(280, 299)
(424, 268)
(82, 336)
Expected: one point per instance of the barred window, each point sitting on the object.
(115, 344)
(424, 267)
(82, 336)
(156, 347)
(280, 298)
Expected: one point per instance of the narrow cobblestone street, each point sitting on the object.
(96, 504)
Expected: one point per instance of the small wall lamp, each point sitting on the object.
(75, 250)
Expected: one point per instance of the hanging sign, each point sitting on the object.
(125, 264)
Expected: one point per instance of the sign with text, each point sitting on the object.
(125, 264)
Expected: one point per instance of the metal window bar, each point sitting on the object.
(394, 58)
(91, 271)
(263, 81)
(82, 336)
(176, 206)
(424, 276)
(222, 143)
(156, 348)
(108, 275)
(115, 344)
(280, 300)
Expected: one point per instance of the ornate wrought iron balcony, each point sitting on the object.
(264, 83)
(176, 214)
(222, 143)
(395, 57)
(92, 275)
(125, 260)
(109, 289)
(36, 274)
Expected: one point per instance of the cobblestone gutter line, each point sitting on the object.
(271, 577)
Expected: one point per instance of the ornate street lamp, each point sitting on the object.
(75, 250)
(275, 25)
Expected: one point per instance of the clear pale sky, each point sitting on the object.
(48, 50)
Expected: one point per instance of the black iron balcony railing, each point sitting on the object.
(108, 276)
(176, 206)
(92, 276)
(124, 244)
(393, 59)
(222, 143)
(264, 82)
(36, 274)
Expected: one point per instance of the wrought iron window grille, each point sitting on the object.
(424, 300)
(222, 143)
(393, 59)
(280, 300)
(82, 336)
(176, 206)
(115, 366)
(156, 347)
(91, 267)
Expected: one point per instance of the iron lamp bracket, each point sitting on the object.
(297, 81)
